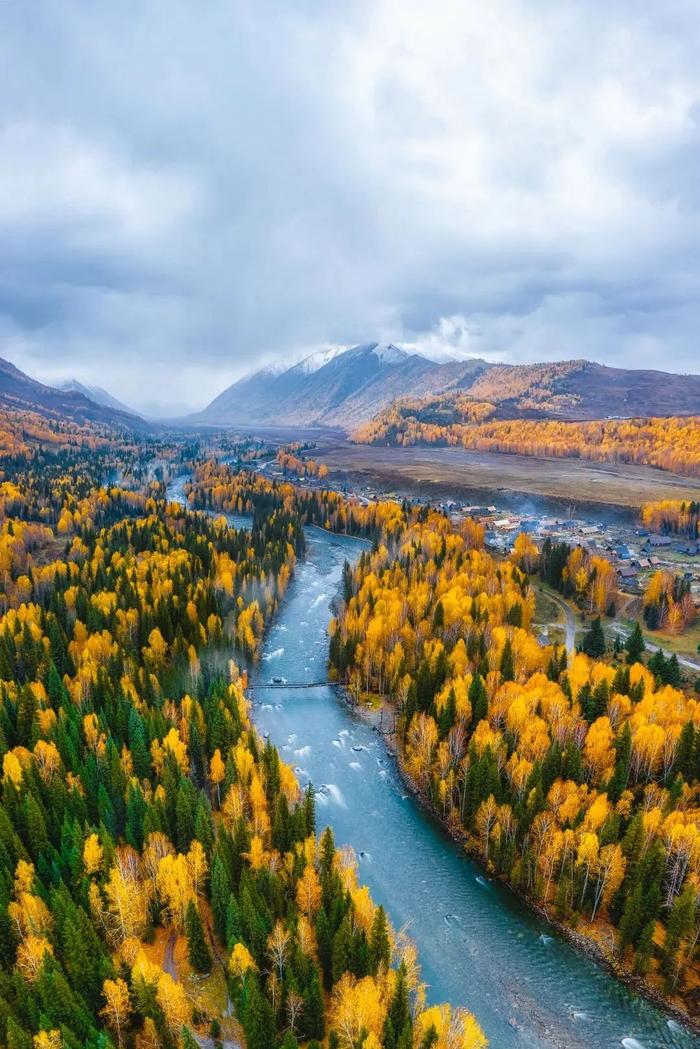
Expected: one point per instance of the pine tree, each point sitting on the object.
(398, 1028)
(645, 949)
(685, 751)
(233, 922)
(185, 808)
(16, 1037)
(204, 824)
(197, 948)
(310, 810)
(313, 1015)
(342, 949)
(594, 640)
(35, 825)
(600, 700)
(324, 940)
(507, 663)
(219, 892)
(680, 922)
(478, 699)
(635, 645)
(448, 714)
(429, 1039)
(258, 1018)
(623, 756)
(379, 947)
(673, 672)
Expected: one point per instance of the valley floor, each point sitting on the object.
(442, 472)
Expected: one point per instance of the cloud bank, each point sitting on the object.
(189, 191)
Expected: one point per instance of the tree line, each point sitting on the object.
(576, 779)
(156, 856)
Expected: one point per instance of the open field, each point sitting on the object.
(684, 645)
(442, 471)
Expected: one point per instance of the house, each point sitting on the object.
(627, 572)
(659, 540)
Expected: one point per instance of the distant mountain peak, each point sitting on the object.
(391, 354)
(344, 387)
(96, 394)
(334, 386)
(317, 360)
(18, 391)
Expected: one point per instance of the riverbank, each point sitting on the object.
(533, 991)
(382, 719)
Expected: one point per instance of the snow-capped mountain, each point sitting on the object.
(316, 361)
(345, 387)
(334, 387)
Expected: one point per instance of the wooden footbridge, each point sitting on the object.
(292, 684)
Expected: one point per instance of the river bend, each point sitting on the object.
(479, 945)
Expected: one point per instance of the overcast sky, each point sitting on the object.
(189, 190)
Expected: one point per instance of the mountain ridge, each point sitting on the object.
(19, 392)
(349, 387)
(97, 394)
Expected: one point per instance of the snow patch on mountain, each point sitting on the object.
(278, 368)
(390, 354)
(315, 361)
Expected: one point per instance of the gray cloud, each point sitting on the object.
(188, 191)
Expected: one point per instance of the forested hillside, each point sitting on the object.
(157, 859)
(20, 393)
(667, 443)
(576, 780)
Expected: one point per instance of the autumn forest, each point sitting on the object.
(460, 421)
(165, 880)
(146, 830)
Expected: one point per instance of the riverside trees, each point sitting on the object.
(576, 780)
(140, 810)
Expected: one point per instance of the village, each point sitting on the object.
(635, 551)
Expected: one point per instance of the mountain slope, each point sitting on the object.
(333, 388)
(18, 391)
(347, 388)
(96, 394)
(580, 390)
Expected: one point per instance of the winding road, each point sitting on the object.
(689, 664)
(569, 616)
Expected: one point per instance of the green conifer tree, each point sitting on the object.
(197, 948)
